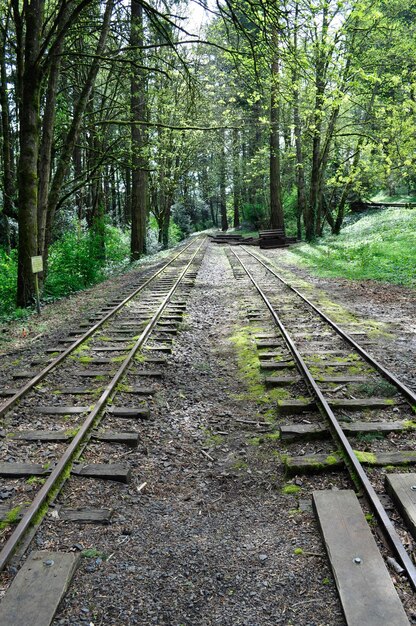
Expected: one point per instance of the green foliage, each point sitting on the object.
(255, 214)
(290, 206)
(175, 233)
(8, 278)
(380, 246)
(93, 553)
(291, 489)
(76, 260)
(12, 517)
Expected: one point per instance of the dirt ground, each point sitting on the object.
(211, 538)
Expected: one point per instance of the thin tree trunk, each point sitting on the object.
(223, 196)
(79, 195)
(9, 210)
(320, 77)
(300, 167)
(45, 153)
(139, 174)
(276, 207)
(236, 178)
(72, 136)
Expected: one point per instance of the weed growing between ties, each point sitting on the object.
(244, 341)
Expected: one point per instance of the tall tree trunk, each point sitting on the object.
(139, 174)
(223, 196)
(236, 177)
(276, 207)
(29, 148)
(127, 196)
(166, 222)
(300, 168)
(79, 195)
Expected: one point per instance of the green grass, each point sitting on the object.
(379, 246)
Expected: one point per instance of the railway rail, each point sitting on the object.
(339, 376)
(133, 335)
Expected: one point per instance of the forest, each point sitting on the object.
(126, 126)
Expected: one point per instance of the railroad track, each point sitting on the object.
(90, 385)
(347, 411)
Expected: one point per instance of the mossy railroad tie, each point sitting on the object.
(273, 381)
(5, 393)
(313, 463)
(76, 391)
(92, 373)
(140, 391)
(299, 405)
(269, 343)
(276, 365)
(308, 432)
(86, 516)
(160, 348)
(22, 470)
(24, 374)
(41, 435)
(122, 348)
(149, 373)
(129, 439)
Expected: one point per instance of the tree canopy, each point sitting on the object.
(132, 116)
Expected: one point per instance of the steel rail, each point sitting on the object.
(410, 395)
(66, 460)
(8, 404)
(387, 526)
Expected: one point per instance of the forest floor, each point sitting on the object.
(211, 540)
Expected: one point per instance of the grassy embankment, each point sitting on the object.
(378, 245)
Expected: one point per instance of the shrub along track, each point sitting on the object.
(341, 379)
(146, 318)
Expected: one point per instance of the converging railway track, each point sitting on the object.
(352, 407)
(114, 405)
(89, 389)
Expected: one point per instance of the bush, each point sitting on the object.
(256, 215)
(76, 260)
(8, 280)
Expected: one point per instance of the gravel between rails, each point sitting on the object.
(205, 541)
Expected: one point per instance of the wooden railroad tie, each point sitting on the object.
(364, 585)
(402, 490)
(112, 471)
(301, 405)
(308, 432)
(38, 588)
(314, 463)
